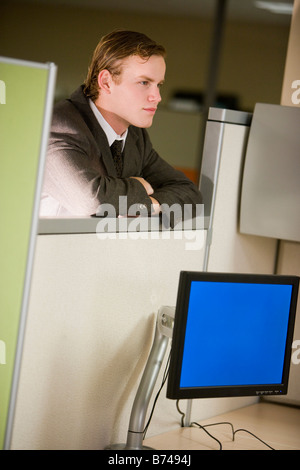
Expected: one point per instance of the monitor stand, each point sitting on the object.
(163, 331)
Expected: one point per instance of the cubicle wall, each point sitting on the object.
(92, 313)
(227, 249)
(270, 199)
(25, 109)
(94, 304)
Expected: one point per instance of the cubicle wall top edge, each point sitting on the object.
(85, 225)
(230, 116)
(27, 63)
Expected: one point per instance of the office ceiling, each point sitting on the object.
(239, 10)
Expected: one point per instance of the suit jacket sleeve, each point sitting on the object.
(172, 188)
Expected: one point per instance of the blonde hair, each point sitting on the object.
(111, 49)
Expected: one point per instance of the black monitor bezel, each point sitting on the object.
(174, 391)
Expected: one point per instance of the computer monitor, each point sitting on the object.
(232, 335)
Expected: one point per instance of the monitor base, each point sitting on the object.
(124, 447)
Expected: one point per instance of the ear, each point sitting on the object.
(104, 80)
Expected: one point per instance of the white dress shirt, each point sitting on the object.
(110, 133)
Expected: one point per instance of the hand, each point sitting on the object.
(145, 183)
(155, 206)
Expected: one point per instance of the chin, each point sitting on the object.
(146, 124)
(142, 123)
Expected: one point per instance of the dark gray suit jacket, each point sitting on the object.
(80, 172)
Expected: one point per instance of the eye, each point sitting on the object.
(144, 82)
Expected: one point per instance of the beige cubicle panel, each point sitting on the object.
(91, 319)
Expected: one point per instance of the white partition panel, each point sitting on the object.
(89, 331)
(222, 165)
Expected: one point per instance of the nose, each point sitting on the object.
(154, 95)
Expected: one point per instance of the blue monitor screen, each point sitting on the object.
(232, 335)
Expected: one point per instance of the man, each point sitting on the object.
(117, 103)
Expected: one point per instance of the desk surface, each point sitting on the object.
(277, 425)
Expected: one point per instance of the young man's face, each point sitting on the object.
(133, 98)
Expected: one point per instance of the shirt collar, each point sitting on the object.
(110, 133)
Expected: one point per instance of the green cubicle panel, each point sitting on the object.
(26, 99)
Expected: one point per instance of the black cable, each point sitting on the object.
(181, 412)
(217, 424)
(165, 376)
(222, 422)
(256, 437)
(233, 432)
(210, 435)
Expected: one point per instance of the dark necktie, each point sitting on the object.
(116, 150)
